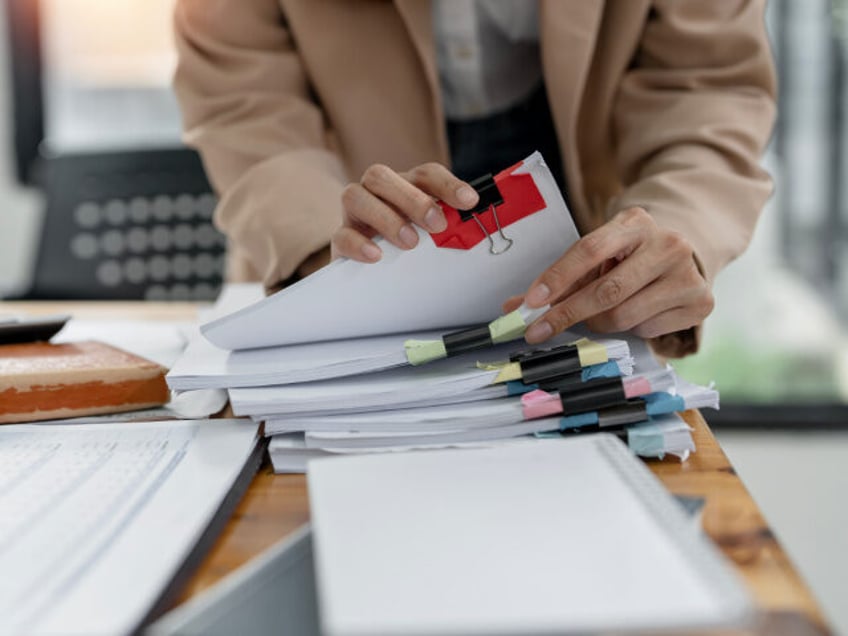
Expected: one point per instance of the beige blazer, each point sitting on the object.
(662, 103)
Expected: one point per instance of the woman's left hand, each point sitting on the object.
(629, 274)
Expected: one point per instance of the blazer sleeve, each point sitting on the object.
(691, 119)
(246, 107)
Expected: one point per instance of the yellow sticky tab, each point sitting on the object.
(509, 372)
(590, 352)
(423, 351)
(508, 327)
(491, 366)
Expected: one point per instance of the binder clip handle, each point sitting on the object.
(490, 198)
(489, 195)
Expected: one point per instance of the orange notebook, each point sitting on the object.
(42, 381)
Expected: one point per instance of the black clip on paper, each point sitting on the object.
(613, 419)
(574, 383)
(631, 412)
(467, 340)
(594, 400)
(490, 198)
(546, 364)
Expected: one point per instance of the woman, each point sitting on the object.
(652, 112)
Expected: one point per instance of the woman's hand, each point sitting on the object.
(387, 203)
(629, 274)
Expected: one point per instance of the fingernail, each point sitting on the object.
(408, 236)
(466, 195)
(538, 295)
(539, 332)
(435, 220)
(371, 252)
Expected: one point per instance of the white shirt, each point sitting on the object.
(487, 53)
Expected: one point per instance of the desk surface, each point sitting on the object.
(275, 505)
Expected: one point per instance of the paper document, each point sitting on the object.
(429, 287)
(205, 366)
(96, 519)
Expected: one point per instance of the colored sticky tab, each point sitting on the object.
(513, 325)
(508, 327)
(662, 403)
(516, 387)
(590, 352)
(547, 435)
(509, 371)
(636, 386)
(536, 404)
(578, 421)
(423, 351)
(646, 440)
(606, 370)
(521, 198)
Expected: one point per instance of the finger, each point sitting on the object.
(670, 321)
(584, 281)
(364, 210)
(351, 243)
(438, 181)
(512, 304)
(615, 239)
(610, 290)
(403, 196)
(662, 295)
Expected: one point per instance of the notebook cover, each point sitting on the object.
(41, 381)
(569, 536)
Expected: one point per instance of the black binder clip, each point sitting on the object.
(490, 198)
(541, 365)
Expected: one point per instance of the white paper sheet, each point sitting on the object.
(420, 289)
(205, 366)
(96, 519)
(449, 417)
(395, 387)
(159, 341)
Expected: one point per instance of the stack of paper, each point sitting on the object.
(350, 358)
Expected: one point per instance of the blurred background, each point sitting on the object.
(99, 199)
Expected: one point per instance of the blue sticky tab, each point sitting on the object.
(605, 370)
(547, 434)
(646, 440)
(579, 420)
(517, 387)
(662, 403)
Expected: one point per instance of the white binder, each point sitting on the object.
(536, 537)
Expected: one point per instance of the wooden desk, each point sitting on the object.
(275, 505)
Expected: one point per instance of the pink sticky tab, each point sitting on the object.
(636, 386)
(536, 404)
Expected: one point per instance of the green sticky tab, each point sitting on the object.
(508, 327)
(424, 351)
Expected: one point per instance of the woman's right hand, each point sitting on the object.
(388, 203)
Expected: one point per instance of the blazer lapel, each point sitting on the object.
(417, 15)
